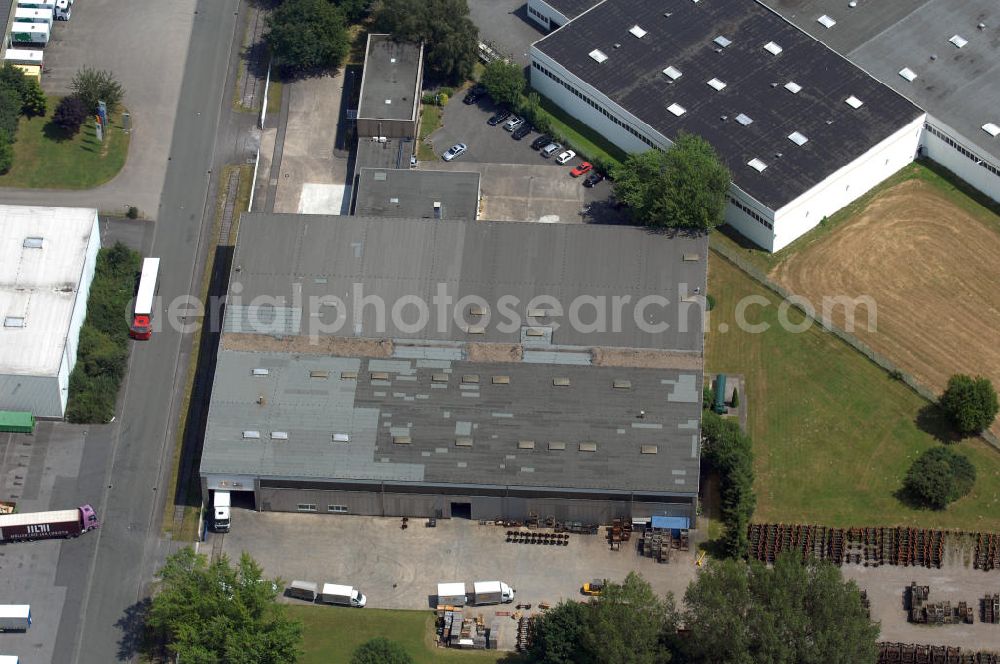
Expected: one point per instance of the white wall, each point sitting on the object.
(79, 315)
(973, 166)
(846, 184)
(548, 14)
(748, 226)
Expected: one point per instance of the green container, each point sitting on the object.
(16, 422)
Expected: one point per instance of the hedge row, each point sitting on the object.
(102, 354)
(728, 451)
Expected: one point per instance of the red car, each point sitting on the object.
(582, 169)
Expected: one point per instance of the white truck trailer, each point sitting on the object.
(24, 56)
(334, 593)
(15, 617)
(451, 594)
(221, 518)
(32, 15)
(29, 33)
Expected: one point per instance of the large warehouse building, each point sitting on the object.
(803, 131)
(553, 369)
(47, 260)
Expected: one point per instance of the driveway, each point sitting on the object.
(145, 45)
(506, 23)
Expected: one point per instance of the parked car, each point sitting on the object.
(498, 117)
(474, 94)
(521, 132)
(514, 123)
(455, 151)
(550, 149)
(565, 157)
(593, 179)
(541, 142)
(584, 168)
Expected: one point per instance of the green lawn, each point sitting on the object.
(332, 633)
(430, 120)
(43, 158)
(833, 434)
(587, 142)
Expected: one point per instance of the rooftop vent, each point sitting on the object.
(32, 243)
(401, 440)
(677, 109)
(439, 378)
(261, 372)
(722, 41)
(717, 84)
(598, 55)
(463, 441)
(757, 165)
(908, 74)
(476, 329)
(537, 313)
(673, 73)
(560, 382)
(319, 374)
(341, 438)
(380, 375)
(620, 384)
(525, 444)
(637, 31)
(648, 449)
(501, 380)
(854, 102)
(470, 378)
(691, 258)
(388, 101)
(348, 375)
(588, 447)
(249, 435)
(798, 138)
(476, 310)
(534, 332)
(556, 445)
(991, 129)
(13, 321)
(793, 87)
(279, 435)
(772, 48)
(744, 119)
(959, 41)
(379, 176)
(826, 21)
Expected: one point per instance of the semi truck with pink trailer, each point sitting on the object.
(47, 525)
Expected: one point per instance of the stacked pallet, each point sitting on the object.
(911, 653)
(868, 546)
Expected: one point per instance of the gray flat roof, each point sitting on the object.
(391, 79)
(391, 153)
(960, 86)
(681, 34)
(397, 193)
(655, 281)
(423, 421)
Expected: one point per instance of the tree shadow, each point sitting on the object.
(54, 132)
(933, 420)
(911, 500)
(135, 637)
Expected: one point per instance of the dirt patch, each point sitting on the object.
(932, 270)
(494, 352)
(339, 346)
(649, 359)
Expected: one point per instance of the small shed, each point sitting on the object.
(675, 524)
(16, 422)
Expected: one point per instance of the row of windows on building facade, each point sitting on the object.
(967, 153)
(750, 211)
(310, 507)
(534, 12)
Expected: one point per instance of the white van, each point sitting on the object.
(334, 593)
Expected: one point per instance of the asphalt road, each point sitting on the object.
(137, 450)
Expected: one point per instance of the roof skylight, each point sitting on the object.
(598, 55)
(717, 84)
(798, 138)
(13, 321)
(757, 165)
(908, 74)
(722, 41)
(991, 129)
(854, 102)
(32, 243)
(826, 21)
(772, 48)
(677, 109)
(744, 119)
(959, 41)
(793, 87)
(637, 31)
(673, 73)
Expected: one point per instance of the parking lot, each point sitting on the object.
(506, 23)
(518, 184)
(399, 568)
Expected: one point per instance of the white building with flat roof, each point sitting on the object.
(47, 261)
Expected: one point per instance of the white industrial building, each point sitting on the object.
(803, 131)
(47, 261)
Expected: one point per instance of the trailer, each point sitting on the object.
(29, 33)
(37, 4)
(24, 56)
(47, 525)
(32, 15)
(15, 617)
(451, 594)
(304, 590)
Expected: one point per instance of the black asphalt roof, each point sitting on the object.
(681, 34)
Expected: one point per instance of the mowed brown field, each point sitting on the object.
(932, 268)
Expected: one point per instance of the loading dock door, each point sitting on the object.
(461, 510)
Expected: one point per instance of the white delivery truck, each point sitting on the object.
(334, 593)
(29, 33)
(452, 594)
(31, 15)
(306, 590)
(220, 512)
(492, 592)
(15, 617)
(24, 56)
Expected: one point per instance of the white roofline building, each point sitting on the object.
(47, 260)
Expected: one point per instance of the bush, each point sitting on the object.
(429, 98)
(70, 114)
(442, 99)
(447, 92)
(709, 303)
(971, 403)
(35, 104)
(10, 112)
(6, 152)
(707, 397)
(729, 451)
(736, 398)
(505, 83)
(380, 650)
(133, 212)
(96, 85)
(939, 476)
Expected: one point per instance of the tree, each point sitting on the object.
(381, 650)
(6, 152)
(451, 39)
(70, 114)
(736, 398)
(307, 35)
(939, 476)
(353, 10)
(10, 112)
(683, 187)
(13, 77)
(504, 81)
(798, 612)
(35, 102)
(95, 85)
(626, 624)
(971, 403)
(214, 613)
(729, 451)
